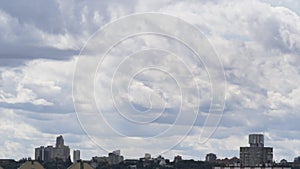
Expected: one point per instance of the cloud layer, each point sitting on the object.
(257, 43)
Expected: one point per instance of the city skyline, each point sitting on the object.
(255, 156)
(150, 93)
(256, 142)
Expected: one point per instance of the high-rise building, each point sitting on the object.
(115, 157)
(177, 159)
(256, 140)
(59, 141)
(256, 154)
(211, 157)
(39, 153)
(50, 153)
(76, 156)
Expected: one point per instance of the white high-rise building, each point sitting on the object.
(76, 156)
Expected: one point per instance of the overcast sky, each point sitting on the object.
(149, 94)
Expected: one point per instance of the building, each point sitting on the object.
(31, 165)
(96, 161)
(39, 153)
(60, 141)
(76, 156)
(100, 159)
(115, 157)
(177, 159)
(256, 155)
(147, 156)
(60, 151)
(44, 153)
(297, 160)
(256, 140)
(50, 153)
(228, 162)
(117, 152)
(211, 157)
(80, 165)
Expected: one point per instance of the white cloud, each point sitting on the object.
(40, 82)
(257, 42)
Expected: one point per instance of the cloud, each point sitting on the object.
(256, 41)
(37, 85)
(52, 30)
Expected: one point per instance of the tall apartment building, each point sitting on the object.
(211, 157)
(50, 153)
(256, 155)
(60, 142)
(115, 157)
(76, 156)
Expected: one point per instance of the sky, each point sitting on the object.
(161, 77)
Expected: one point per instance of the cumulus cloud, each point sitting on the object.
(36, 86)
(256, 41)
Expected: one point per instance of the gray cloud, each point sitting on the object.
(258, 44)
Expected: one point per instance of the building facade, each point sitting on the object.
(177, 159)
(115, 157)
(76, 156)
(256, 155)
(50, 153)
(211, 157)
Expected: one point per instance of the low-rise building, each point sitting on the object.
(229, 162)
